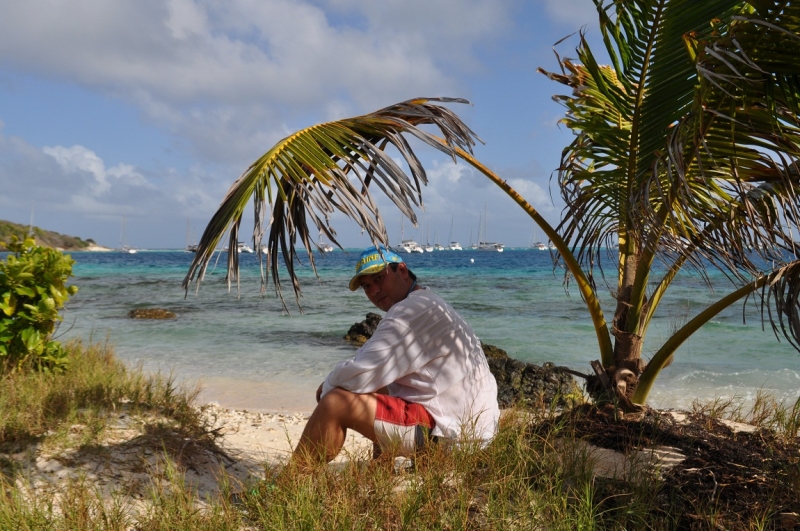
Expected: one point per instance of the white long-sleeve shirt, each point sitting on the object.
(425, 353)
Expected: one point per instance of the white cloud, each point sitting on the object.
(449, 172)
(534, 194)
(232, 73)
(226, 80)
(75, 184)
(185, 19)
(78, 159)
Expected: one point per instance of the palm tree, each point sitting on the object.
(685, 153)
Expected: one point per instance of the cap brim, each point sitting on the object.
(354, 282)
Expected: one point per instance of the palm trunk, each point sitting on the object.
(623, 374)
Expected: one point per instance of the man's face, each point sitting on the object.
(386, 288)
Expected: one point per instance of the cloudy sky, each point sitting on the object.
(150, 109)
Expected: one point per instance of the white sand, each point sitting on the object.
(128, 459)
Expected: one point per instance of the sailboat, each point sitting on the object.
(539, 246)
(407, 246)
(454, 245)
(123, 247)
(323, 245)
(428, 247)
(241, 247)
(190, 247)
(487, 246)
(436, 246)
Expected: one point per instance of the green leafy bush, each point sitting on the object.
(32, 291)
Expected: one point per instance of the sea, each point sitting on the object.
(243, 350)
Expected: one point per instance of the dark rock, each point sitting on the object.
(528, 384)
(492, 352)
(360, 332)
(151, 313)
(518, 383)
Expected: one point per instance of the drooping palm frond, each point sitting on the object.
(328, 167)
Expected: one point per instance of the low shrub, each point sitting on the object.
(32, 291)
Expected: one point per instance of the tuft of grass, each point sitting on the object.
(34, 404)
(765, 412)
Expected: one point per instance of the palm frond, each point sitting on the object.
(329, 167)
(623, 113)
(743, 140)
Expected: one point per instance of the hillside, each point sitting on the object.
(43, 237)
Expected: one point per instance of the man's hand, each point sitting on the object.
(319, 392)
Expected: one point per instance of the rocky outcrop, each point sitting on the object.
(151, 313)
(360, 332)
(518, 383)
(528, 384)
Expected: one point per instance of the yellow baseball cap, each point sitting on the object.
(373, 260)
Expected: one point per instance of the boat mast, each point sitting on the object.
(451, 228)
(485, 235)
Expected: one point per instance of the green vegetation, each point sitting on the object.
(32, 291)
(537, 474)
(43, 237)
(34, 404)
(685, 155)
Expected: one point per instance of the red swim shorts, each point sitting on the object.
(401, 427)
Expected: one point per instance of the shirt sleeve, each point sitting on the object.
(391, 353)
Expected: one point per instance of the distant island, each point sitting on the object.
(46, 238)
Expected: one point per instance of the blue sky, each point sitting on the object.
(151, 109)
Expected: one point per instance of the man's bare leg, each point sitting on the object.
(326, 430)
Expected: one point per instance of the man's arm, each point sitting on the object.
(391, 353)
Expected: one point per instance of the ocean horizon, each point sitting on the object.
(247, 353)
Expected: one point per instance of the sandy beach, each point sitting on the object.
(267, 438)
(128, 459)
(287, 397)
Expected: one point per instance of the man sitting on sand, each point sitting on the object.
(421, 376)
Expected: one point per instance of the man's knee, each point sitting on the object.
(353, 410)
(337, 399)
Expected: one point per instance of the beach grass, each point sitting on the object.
(536, 474)
(37, 404)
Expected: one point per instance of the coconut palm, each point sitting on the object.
(684, 154)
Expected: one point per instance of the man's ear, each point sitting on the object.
(402, 268)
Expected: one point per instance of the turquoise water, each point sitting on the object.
(246, 352)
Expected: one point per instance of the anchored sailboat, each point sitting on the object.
(487, 246)
(123, 246)
(454, 245)
(324, 246)
(407, 246)
(539, 246)
(190, 247)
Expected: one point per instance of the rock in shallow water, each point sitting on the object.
(151, 313)
(360, 332)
